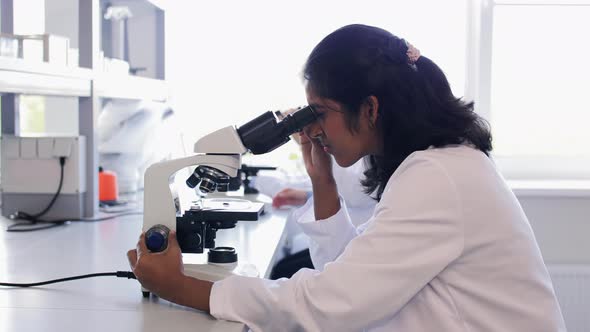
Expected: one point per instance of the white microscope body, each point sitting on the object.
(221, 150)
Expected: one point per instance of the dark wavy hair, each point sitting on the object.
(417, 108)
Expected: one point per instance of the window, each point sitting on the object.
(533, 80)
(32, 114)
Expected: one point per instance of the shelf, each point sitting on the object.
(43, 68)
(130, 87)
(37, 84)
(20, 76)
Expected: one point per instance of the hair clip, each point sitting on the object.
(412, 53)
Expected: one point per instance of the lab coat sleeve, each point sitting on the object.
(415, 233)
(327, 237)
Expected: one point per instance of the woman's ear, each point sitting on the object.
(371, 110)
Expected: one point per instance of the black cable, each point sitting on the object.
(32, 217)
(118, 274)
(62, 162)
(31, 226)
(33, 223)
(45, 224)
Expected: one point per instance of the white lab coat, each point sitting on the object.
(448, 248)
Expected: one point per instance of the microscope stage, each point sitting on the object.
(228, 208)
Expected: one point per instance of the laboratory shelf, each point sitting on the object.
(27, 77)
(20, 76)
(29, 83)
(43, 68)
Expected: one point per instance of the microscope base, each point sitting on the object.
(215, 272)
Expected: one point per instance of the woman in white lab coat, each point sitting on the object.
(448, 247)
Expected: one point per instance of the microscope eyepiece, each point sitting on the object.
(295, 122)
(264, 133)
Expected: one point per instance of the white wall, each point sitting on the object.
(561, 226)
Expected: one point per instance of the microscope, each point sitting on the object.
(217, 159)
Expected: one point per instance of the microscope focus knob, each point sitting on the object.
(156, 238)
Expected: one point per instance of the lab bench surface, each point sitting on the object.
(109, 303)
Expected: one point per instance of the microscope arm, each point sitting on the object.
(159, 205)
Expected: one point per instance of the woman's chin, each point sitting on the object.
(344, 162)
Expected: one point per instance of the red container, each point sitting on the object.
(107, 186)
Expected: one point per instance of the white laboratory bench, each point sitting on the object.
(109, 303)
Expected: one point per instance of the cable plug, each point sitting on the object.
(126, 274)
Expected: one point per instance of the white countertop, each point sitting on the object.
(108, 303)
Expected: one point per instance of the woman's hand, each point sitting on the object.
(319, 167)
(318, 162)
(163, 274)
(289, 196)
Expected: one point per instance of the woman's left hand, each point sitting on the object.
(289, 196)
(161, 272)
